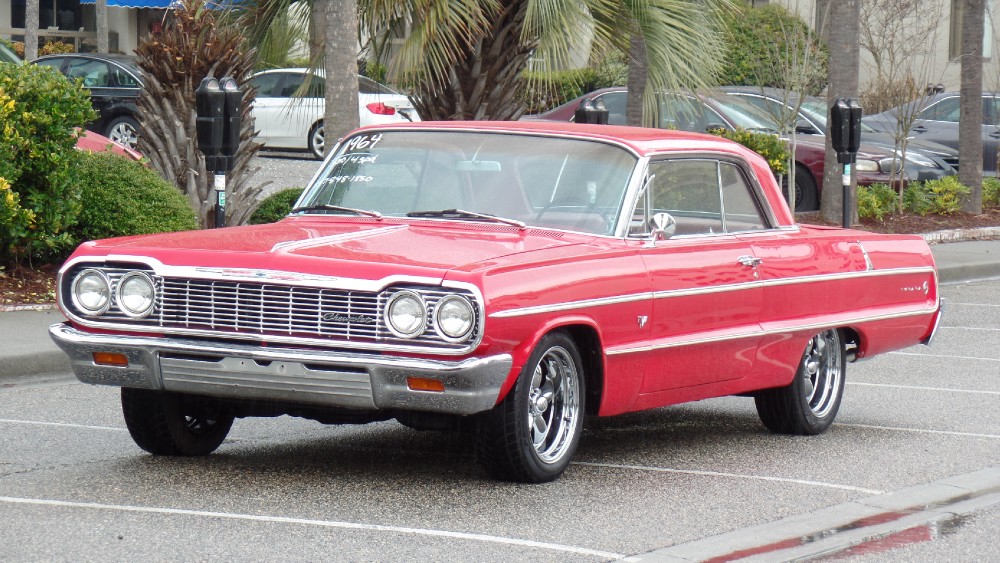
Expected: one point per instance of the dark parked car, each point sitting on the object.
(812, 121)
(114, 83)
(703, 113)
(937, 121)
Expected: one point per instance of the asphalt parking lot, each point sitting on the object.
(657, 485)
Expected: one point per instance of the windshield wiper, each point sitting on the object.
(461, 214)
(328, 207)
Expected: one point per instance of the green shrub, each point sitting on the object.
(946, 194)
(991, 192)
(40, 112)
(122, 197)
(275, 207)
(876, 201)
(769, 146)
(763, 42)
(916, 199)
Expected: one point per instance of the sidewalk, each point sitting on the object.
(28, 350)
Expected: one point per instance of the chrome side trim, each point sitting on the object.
(937, 324)
(667, 294)
(868, 259)
(571, 305)
(693, 340)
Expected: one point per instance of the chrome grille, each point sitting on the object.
(274, 311)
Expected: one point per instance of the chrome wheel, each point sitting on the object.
(316, 140)
(809, 404)
(553, 404)
(822, 372)
(532, 434)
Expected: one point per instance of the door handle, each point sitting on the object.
(750, 261)
(919, 129)
(995, 134)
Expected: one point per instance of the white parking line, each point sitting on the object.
(60, 424)
(320, 523)
(730, 475)
(917, 430)
(944, 356)
(970, 328)
(919, 388)
(950, 304)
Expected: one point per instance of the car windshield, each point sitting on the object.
(745, 115)
(8, 56)
(542, 181)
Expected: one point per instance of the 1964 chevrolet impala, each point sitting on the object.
(507, 277)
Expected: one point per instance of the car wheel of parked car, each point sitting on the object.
(123, 130)
(316, 143)
(810, 403)
(532, 434)
(806, 197)
(164, 423)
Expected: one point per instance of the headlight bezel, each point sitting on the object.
(75, 298)
(393, 300)
(469, 307)
(120, 301)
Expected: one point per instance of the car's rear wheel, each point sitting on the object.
(806, 196)
(316, 140)
(809, 404)
(123, 130)
(532, 435)
(175, 424)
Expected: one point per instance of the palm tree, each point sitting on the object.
(844, 25)
(341, 64)
(970, 145)
(465, 60)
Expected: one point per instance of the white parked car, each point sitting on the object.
(288, 122)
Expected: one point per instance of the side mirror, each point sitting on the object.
(805, 128)
(664, 227)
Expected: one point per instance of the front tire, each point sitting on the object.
(806, 194)
(316, 140)
(532, 435)
(809, 404)
(123, 130)
(174, 424)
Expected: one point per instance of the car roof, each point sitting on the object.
(125, 61)
(643, 141)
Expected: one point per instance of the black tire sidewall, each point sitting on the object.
(309, 140)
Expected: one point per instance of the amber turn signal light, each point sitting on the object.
(109, 359)
(425, 384)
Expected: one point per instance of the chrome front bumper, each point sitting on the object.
(240, 371)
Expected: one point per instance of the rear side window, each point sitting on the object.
(93, 73)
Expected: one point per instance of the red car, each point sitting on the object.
(509, 277)
(93, 142)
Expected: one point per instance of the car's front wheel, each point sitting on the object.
(810, 402)
(123, 130)
(532, 435)
(316, 140)
(175, 424)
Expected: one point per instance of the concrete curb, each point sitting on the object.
(845, 526)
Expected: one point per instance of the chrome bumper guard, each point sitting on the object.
(240, 371)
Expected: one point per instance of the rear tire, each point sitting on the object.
(806, 196)
(316, 140)
(175, 424)
(532, 435)
(809, 404)
(123, 130)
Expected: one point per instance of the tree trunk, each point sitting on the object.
(970, 144)
(845, 30)
(31, 30)
(101, 8)
(341, 66)
(637, 77)
(317, 30)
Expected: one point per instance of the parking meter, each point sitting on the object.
(592, 111)
(845, 138)
(210, 110)
(231, 127)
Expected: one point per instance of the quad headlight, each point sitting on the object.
(91, 292)
(454, 318)
(136, 294)
(406, 314)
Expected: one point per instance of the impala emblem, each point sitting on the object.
(642, 320)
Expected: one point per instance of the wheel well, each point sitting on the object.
(589, 345)
(852, 342)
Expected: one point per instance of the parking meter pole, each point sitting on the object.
(220, 200)
(846, 182)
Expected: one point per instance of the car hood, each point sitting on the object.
(351, 248)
